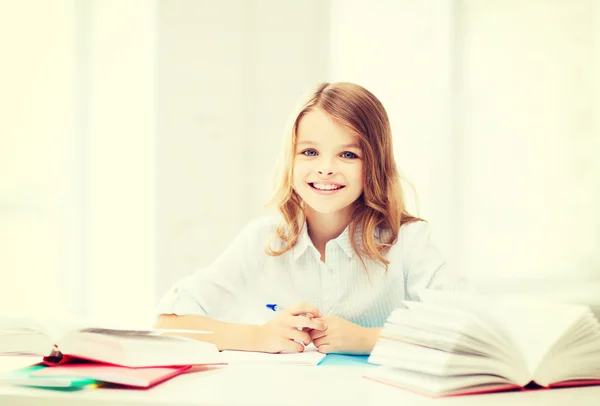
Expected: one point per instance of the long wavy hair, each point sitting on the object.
(381, 205)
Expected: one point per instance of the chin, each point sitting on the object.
(326, 209)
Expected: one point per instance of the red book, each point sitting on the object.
(131, 377)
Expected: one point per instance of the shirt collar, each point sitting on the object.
(343, 241)
(303, 243)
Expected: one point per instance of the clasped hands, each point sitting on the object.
(329, 334)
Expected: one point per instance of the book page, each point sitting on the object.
(413, 357)
(139, 350)
(531, 324)
(452, 324)
(310, 356)
(575, 356)
(41, 323)
(435, 386)
(535, 326)
(29, 335)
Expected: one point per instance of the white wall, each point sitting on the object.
(494, 110)
(404, 53)
(77, 158)
(138, 137)
(118, 82)
(38, 202)
(229, 74)
(529, 134)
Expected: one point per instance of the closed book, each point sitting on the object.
(131, 377)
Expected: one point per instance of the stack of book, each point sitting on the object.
(455, 343)
(74, 355)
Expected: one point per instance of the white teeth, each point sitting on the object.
(323, 186)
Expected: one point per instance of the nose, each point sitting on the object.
(325, 165)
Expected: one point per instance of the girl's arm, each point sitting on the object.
(226, 336)
(424, 265)
(282, 334)
(213, 293)
(201, 300)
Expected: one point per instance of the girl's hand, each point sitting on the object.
(285, 331)
(342, 336)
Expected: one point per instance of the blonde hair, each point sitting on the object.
(381, 205)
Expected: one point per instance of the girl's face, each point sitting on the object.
(328, 164)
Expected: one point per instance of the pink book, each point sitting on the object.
(131, 377)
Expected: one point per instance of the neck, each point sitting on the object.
(323, 228)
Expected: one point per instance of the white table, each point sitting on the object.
(278, 385)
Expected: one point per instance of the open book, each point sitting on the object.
(454, 343)
(59, 342)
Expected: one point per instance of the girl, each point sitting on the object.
(341, 256)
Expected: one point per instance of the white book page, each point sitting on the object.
(140, 350)
(437, 385)
(535, 326)
(56, 327)
(573, 358)
(532, 325)
(310, 356)
(450, 322)
(43, 324)
(24, 334)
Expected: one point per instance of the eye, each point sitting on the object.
(309, 152)
(349, 155)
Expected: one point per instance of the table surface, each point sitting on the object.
(275, 385)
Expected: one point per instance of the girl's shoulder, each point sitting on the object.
(414, 229)
(253, 237)
(411, 235)
(261, 227)
(408, 231)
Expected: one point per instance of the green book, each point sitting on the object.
(23, 377)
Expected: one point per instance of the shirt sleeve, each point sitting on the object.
(424, 264)
(214, 291)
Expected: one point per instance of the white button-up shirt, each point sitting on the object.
(237, 286)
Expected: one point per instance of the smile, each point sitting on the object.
(325, 187)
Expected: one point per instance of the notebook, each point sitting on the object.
(346, 360)
(310, 356)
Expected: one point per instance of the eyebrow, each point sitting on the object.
(352, 145)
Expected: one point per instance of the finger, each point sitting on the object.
(325, 349)
(292, 347)
(299, 335)
(319, 342)
(303, 308)
(307, 322)
(316, 334)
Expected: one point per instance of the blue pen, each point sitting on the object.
(277, 308)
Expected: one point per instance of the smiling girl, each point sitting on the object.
(343, 250)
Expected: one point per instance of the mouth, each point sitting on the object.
(325, 187)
